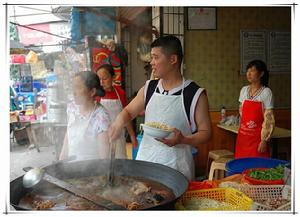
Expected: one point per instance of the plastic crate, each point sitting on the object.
(236, 166)
(263, 192)
(236, 200)
(195, 185)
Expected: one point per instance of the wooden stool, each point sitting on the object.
(218, 164)
(216, 154)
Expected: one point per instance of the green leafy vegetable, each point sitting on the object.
(268, 174)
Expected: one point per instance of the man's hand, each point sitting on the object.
(176, 139)
(262, 147)
(114, 131)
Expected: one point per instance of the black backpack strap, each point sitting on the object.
(150, 90)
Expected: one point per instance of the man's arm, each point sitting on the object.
(127, 114)
(131, 133)
(203, 124)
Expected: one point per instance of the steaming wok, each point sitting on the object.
(171, 178)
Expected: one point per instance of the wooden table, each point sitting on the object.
(278, 133)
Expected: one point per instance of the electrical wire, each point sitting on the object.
(52, 45)
(37, 9)
(27, 27)
(42, 10)
(24, 15)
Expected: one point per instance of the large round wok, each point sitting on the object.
(70, 170)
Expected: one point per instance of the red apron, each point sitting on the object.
(249, 135)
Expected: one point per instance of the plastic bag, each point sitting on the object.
(31, 57)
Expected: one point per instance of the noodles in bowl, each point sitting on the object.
(156, 129)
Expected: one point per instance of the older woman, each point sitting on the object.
(256, 111)
(86, 136)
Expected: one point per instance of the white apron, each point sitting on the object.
(114, 107)
(82, 144)
(168, 110)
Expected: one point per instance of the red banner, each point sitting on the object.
(100, 57)
(104, 56)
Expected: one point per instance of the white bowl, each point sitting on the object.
(155, 132)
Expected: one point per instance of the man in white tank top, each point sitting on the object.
(168, 108)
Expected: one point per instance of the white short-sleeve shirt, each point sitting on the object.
(264, 95)
(98, 123)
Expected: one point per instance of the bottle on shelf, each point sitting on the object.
(223, 114)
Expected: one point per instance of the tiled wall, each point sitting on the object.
(212, 57)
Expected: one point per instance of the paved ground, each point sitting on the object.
(22, 156)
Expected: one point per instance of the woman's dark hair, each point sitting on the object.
(109, 68)
(261, 68)
(170, 45)
(91, 80)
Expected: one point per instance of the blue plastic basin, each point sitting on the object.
(236, 166)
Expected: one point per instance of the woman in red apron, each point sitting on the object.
(114, 101)
(256, 110)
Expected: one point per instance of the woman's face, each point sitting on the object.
(253, 75)
(105, 78)
(81, 92)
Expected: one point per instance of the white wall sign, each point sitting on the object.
(253, 46)
(272, 47)
(279, 57)
(202, 18)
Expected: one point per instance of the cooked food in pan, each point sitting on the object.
(131, 193)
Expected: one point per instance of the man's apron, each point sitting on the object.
(114, 107)
(82, 143)
(168, 110)
(249, 135)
